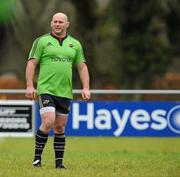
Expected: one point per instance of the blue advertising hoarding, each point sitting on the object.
(123, 118)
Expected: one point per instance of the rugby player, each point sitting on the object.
(55, 53)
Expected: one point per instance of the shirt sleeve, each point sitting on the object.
(36, 50)
(79, 54)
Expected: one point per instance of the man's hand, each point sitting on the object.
(86, 94)
(30, 93)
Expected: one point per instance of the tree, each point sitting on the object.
(173, 26)
(5, 16)
(143, 42)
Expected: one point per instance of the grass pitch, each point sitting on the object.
(94, 157)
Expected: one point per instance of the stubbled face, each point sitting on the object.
(59, 24)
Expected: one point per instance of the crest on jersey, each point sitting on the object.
(71, 45)
(49, 44)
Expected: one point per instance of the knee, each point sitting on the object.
(59, 129)
(46, 127)
(47, 124)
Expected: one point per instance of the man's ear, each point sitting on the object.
(68, 24)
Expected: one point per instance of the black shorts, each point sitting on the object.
(61, 104)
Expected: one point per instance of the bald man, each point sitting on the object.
(55, 53)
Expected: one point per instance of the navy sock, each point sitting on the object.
(41, 139)
(59, 144)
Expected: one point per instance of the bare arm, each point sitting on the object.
(84, 76)
(30, 73)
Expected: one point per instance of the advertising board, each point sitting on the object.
(124, 118)
(17, 118)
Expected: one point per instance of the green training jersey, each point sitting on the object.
(56, 59)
